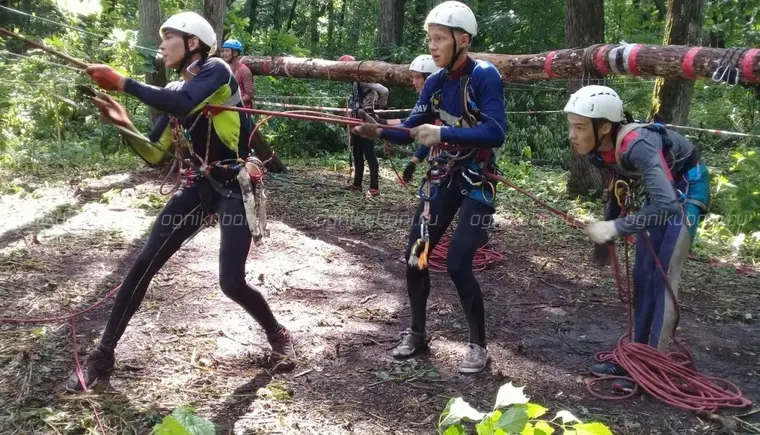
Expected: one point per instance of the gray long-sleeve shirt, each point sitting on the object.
(642, 158)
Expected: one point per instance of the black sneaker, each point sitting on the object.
(283, 352)
(411, 344)
(96, 371)
(623, 386)
(608, 369)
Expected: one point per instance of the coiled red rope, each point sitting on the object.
(670, 377)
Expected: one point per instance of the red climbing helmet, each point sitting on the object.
(346, 58)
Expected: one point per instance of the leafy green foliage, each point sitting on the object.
(512, 414)
(183, 421)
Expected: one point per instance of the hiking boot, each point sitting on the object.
(475, 360)
(96, 370)
(283, 352)
(608, 369)
(373, 192)
(623, 386)
(411, 344)
(351, 187)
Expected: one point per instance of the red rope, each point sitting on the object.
(483, 256)
(670, 377)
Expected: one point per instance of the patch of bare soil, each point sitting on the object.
(333, 274)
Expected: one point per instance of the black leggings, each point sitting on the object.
(179, 219)
(365, 148)
(469, 235)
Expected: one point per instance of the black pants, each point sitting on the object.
(364, 148)
(470, 234)
(179, 219)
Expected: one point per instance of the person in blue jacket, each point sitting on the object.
(467, 96)
(187, 42)
(677, 183)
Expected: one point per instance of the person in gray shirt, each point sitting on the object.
(367, 97)
(677, 185)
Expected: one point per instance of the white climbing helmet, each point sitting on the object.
(424, 64)
(596, 101)
(455, 15)
(192, 24)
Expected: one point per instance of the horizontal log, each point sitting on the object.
(638, 60)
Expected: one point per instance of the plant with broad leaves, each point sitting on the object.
(512, 414)
(183, 421)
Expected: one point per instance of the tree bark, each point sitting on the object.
(584, 25)
(215, 11)
(672, 96)
(388, 28)
(314, 26)
(651, 61)
(149, 12)
(292, 15)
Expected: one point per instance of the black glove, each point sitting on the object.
(409, 171)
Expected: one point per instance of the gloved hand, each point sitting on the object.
(601, 231)
(369, 128)
(409, 172)
(600, 255)
(106, 77)
(427, 134)
(112, 111)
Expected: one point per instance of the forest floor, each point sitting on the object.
(333, 272)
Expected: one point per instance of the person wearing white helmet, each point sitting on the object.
(461, 105)
(187, 42)
(677, 183)
(422, 67)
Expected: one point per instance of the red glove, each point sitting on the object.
(106, 77)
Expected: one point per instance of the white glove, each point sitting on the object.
(601, 231)
(427, 134)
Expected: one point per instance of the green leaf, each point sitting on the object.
(170, 426)
(459, 410)
(509, 395)
(455, 430)
(488, 425)
(566, 417)
(544, 428)
(535, 410)
(595, 428)
(191, 423)
(513, 420)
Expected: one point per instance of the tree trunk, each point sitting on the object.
(252, 15)
(388, 35)
(149, 12)
(314, 26)
(672, 96)
(330, 24)
(584, 25)
(292, 15)
(651, 61)
(215, 11)
(276, 15)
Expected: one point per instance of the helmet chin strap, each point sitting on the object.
(188, 54)
(457, 51)
(597, 141)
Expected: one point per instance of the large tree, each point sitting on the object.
(672, 96)
(215, 11)
(584, 26)
(390, 26)
(149, 13)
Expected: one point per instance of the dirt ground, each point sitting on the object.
(333, 272)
